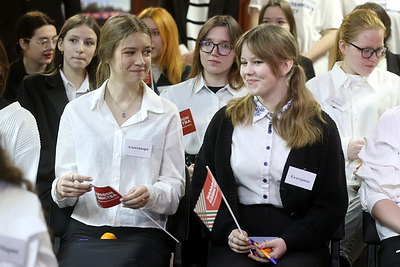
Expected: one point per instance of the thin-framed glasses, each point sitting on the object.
(44, 42)
(223, 49)
(368, 52)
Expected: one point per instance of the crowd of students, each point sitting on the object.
(298, 150)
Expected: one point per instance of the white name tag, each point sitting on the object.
(12, 250)
(336, 103)
(300, 178)
(137, 148)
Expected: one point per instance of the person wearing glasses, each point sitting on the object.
(355, 93)
(70, 75)
(37, 37)
(214, 79)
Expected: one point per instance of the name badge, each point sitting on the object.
(336, 103)
(12, 250)
(300, 178)
(137, 148)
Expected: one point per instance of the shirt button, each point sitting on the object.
(265, 196)
(117, 154)
(268, 147)
(265, 163)
(265, 180)
(270, 132)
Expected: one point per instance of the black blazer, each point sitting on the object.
(393, 62)
(178, 10)
(308, 67)
(45, 97)
(15, 77)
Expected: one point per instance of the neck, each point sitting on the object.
(33, 67)
(76, 77)
(271, 101)
(216, 80)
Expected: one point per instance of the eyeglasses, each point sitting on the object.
(45, 42)
(223, 49)
(368, 52)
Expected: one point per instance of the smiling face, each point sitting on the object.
(274, 15)
(78, 47)
(37, 53)
(131, 59)
(157, 43)
(260, 79)
(213, 63)
(353, 62)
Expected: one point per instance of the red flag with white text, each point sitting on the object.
(209, 201)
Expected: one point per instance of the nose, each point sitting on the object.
(247, 69)
(214, 51)
(138, 59)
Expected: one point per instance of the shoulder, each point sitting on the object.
(178, 91)
(15, 110)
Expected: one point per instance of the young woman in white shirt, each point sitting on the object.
(355, 93)
(124, 136)
(214, 79)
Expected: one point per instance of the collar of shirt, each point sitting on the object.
(200, 84)
(261, 111)
(342, 79)
(70, 89)
(150, 102)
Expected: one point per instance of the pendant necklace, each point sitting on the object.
(123, 114)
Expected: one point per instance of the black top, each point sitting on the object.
(15, 77)
(317, 213)
(393, 62)
(308, 67)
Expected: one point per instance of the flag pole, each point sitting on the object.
(227, 204)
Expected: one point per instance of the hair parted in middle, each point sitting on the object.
(234, 32)
(273, 45)
(114, 30)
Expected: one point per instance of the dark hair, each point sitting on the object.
(72, 23)
(10, 173)
(4, 69)
(28, 23)
(383, 16)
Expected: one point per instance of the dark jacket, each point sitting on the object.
(317, 213)
(178, 10)
(308, 67)
(393, 62)
(15, 77)
(45, 97)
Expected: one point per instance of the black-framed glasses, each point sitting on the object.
(223, 49)
(44, 42)
(368, 52)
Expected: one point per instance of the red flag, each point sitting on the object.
(207, 205)
(187, 122)
(107, 196)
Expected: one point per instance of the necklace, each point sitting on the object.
(123, 114)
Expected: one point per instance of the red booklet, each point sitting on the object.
(187, 122)
(107, 196)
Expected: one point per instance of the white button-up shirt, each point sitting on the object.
(380, 171)
(355, 103)
(258, 157)
(203, 104)
(91, 143)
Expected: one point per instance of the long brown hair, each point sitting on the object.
(298, 125)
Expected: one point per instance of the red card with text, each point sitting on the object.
(187, 122)
(107, 197)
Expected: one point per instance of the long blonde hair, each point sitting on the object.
(170, 59)
(298, 125)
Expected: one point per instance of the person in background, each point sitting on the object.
(379, 191)
(256, 145)
(70, 75)
(23, 229)
(392, 7)
(317, 24)
(355, 93)
(125, 136)
(167, 67)
(391, 61)
(190, 16)
(280, 13)
(11, 10)
(37, 37)
(18, 129)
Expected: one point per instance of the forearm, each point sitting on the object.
(322, 47)
(254, 13)
(387, 213)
